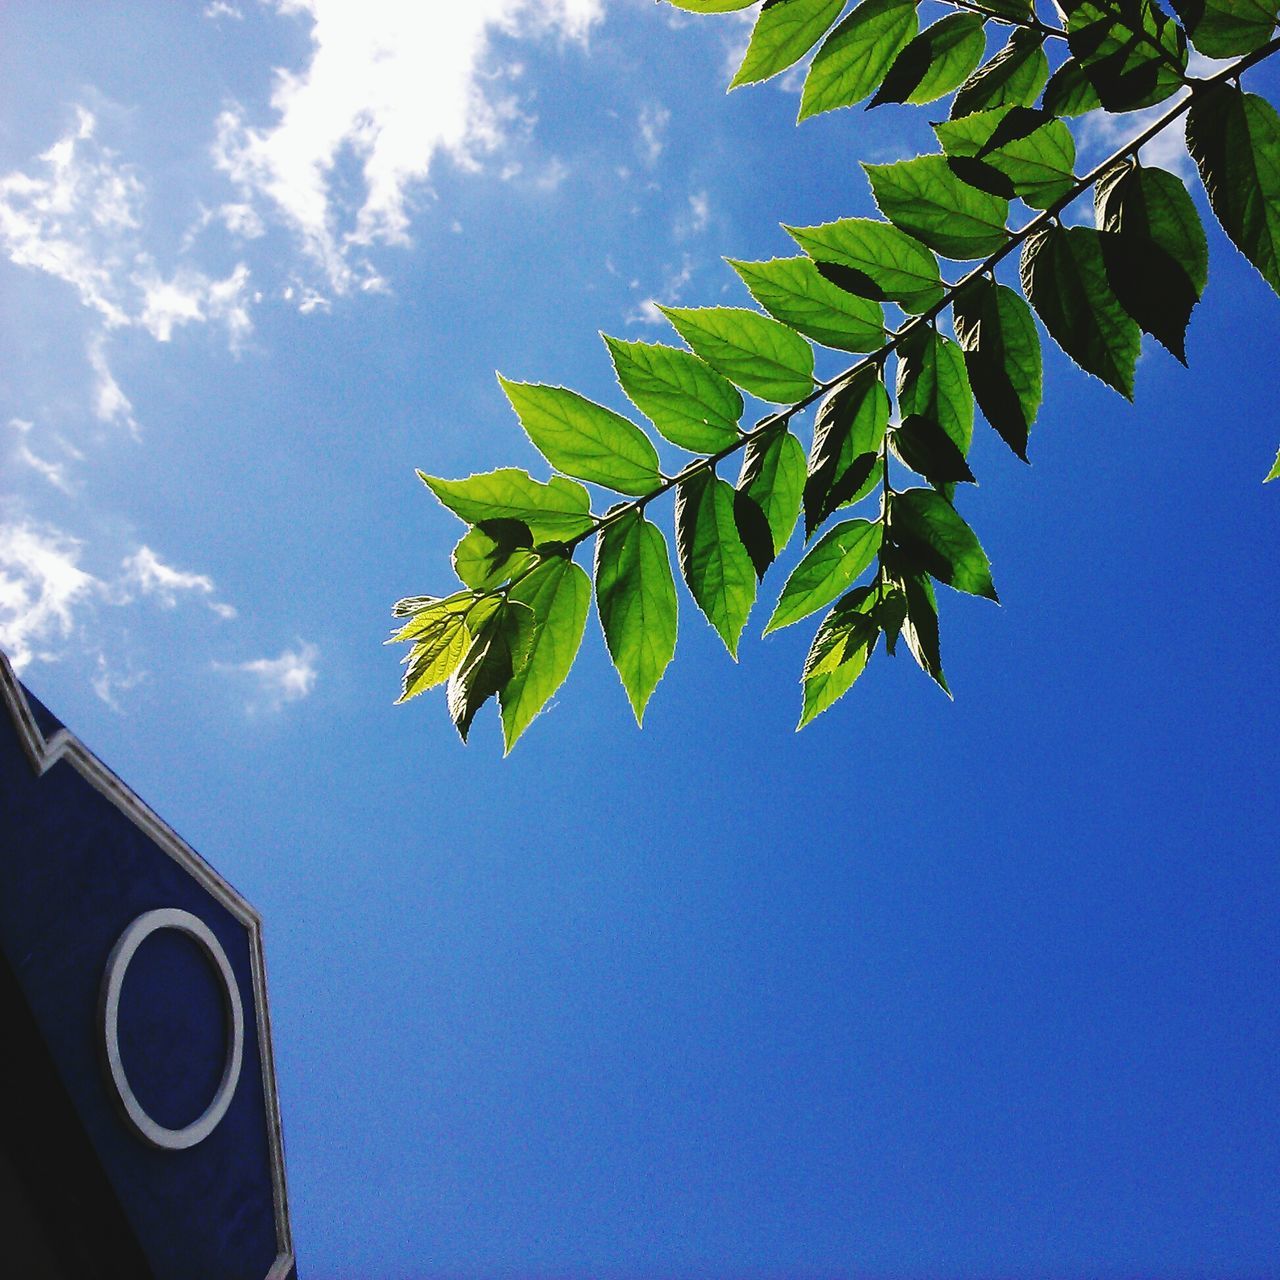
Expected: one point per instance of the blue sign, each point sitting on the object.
(139, 1124)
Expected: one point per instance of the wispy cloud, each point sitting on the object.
(145, 574)
(673, 286)
(276, 681)
(392, 83)
(652, 125)
(41, 588)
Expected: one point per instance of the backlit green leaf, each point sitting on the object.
(784, 32)
(493, 552)
(1070, 92)
(556, 594)
(758, 354)
(1002, 354)
(1065, 279)
(920, 627)
(1014, 77)
(927, 449)
(1228, 28)
(1155, 251)
(1036, 164)
(924, 198)
(839, 653)
(436, 658)
(933, 383)
(938, 60)
(767, 502)
(1234, 139)
(687, 400)
(711, 6)
(829, 568)
(1274, 473)
(498, 644)
(793, 290)
(930, 530)
(584, 439)
(847, 438)
(1133, 53)
(713, 560)
(884, 263)
(636, 599)
(560, 509)
(855, 56)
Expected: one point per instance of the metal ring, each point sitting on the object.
(109, 1011)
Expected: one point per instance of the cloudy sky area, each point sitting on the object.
(931, 989)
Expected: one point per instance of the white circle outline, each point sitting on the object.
(109, 1013)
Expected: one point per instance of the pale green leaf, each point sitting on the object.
(560, 509)
(828, 569)
(856, 55)
(884, 263)
(784, 32)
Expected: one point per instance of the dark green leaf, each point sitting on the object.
(636, 598)
(1014, 77)
(938, 60)
(760, 355)
(839, 653)
(855, 56)
(1234, 139)
(926, 200)
(847, 438)
(920, 627)
(1002, 354)
(560, 509)
(1033, 153)
(714, 562)
(923, 445)
(1065, 279)
(1133, 53)
(1070, 92)
(793, 290)
(883, 263)
(499, 643)
(829, 567)
(1155, 252)
(1228, 28)
(556, 594)
(784, 32)
(767, 502)
(687, 400)
(930, 529)
(933, 383)
(493, 552)
(584, 439)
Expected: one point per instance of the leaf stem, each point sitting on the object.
(1009, 20)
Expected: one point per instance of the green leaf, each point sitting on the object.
(1133, 53)
(934, 384)
(939, 59)
(436, 658)
(1228, 28)
(584, 439)
(499, 643)
(1070, 92)
(1155, 251)
(885, 264)
(847, 438)
(926, 200)
(711, 6)
(920, 627)
(636, 599)
(844, 642)
(926, 526)
(1234, 139)
(560, 509)
(1065, 279)
(793, 290)
(432, 614)
(1274, 473)
(713, 560)
(856, 55)
(1034, 155)
(556, 595)
(758, 354)
(784, 32)
(1014, 77)
(1002, 354)
(687, 400)
(927, 449)
(492, 552)
(767, 502)
(829, 567)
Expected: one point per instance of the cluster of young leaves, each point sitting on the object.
(874, 288)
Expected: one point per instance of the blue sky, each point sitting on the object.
(931, 989)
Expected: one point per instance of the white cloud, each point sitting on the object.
(221, 9)
(145, 574)
(1101, 134)
(288, 678)
(390, 84)
(699, 214)
(652, 124)
(41, 588)
(110, 404)
(646, 311)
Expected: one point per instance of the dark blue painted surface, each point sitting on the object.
(74, 871)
